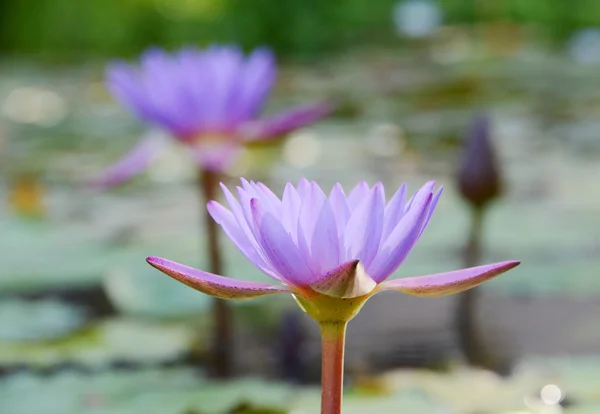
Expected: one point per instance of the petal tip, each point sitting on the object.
(510, 264)
(154, 261)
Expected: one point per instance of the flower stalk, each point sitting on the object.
(221, 312)
(480, 184)
(333, 337)
(469, 337)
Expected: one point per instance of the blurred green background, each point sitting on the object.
(70, 29)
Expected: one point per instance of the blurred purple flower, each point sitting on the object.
(209, 100)
(323, 248)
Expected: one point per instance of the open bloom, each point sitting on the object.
(331, 252)
(209, 100)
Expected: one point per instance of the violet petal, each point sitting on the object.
(214, 285)
(448, 283)
(285, 122)
(134, 162)
(279, 247)
(363, 231)
(402, 239)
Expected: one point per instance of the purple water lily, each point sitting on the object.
(332, 253)
(317, 246)
(210, 100)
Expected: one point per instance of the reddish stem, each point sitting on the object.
(333, 336)
(222, 345)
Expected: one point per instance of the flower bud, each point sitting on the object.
(479, 178)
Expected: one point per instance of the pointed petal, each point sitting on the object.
(310, 207)
(426, 189)
(278, 246)
(432, 206)
(134, 162)
(363, 231)
(238, 213)
(448, 283)
(394, 212)
(303, 188)
(247, 246)
(346, 281)
(325, 245)
(268, 196)
(358, 194)
(280, 124)
(245, 204)
(290, 210)
(214, 285)
(395, 249)
(339, 204)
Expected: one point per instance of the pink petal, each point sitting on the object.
(214, 285)
(448, 283)
(285, 122)
(134, 162)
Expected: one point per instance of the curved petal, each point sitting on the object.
(290, 203)
(339, 204)
(394, 211)
(432, 206)
(325, 245)
(214, 285)
(358, 194)
(363, 231)
(282, 123)
(240, 218)
(245, 243)
(448, 283)
(134, 162)
(395, 249)
(278, 246)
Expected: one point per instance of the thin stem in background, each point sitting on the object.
(469, 336)
(221, 357)
(333, 337)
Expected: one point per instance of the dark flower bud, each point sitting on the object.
(479, 178)
(291, 347)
